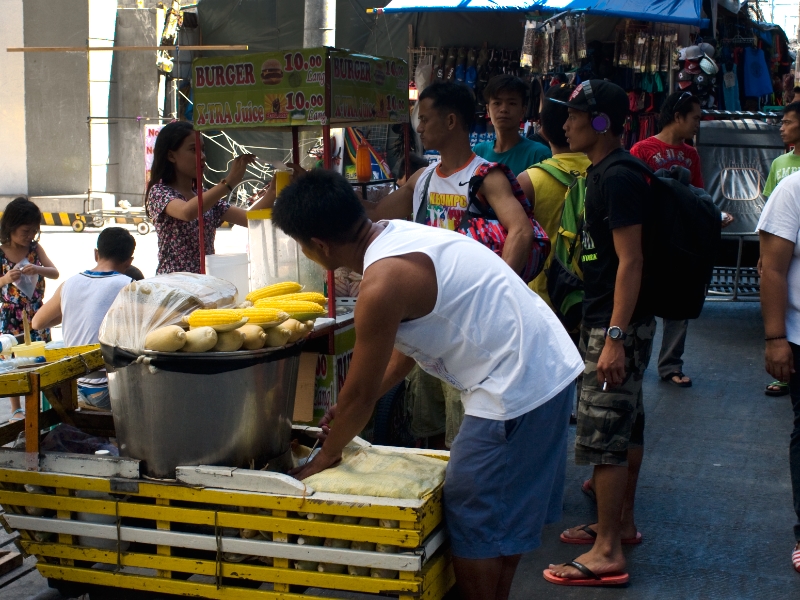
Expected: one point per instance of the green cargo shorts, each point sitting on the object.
(436, 406)
(611, 421)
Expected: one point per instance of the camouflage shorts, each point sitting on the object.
(436, 406)
(610, 421)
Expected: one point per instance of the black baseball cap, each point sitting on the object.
(609, 99)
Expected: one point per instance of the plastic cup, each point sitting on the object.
(282, 179)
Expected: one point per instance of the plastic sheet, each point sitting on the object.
(383, 473)
(143, 306)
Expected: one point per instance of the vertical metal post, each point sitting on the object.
(198, 155)
(407, 148)
(295, 145)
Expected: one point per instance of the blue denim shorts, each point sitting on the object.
(97, 397)
(505, 480)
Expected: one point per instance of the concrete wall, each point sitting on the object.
(133, 93)
(56, 98)
(14, 179)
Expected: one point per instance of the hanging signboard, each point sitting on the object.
(254, 90)
(288, 88)
(150, 134)
(366, 88)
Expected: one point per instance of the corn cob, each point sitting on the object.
(297, 309)
(220, 320)
(315, 297)
(276, 289)
(263, 316)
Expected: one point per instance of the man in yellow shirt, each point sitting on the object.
(544, 192)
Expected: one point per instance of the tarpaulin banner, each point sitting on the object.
(265, 89)
(368, 88)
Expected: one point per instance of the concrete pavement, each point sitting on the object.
(714, 502)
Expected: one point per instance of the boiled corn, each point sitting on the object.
(297, 309)
(265, 317)
(276, 289)
(221, 319)
(315, 297)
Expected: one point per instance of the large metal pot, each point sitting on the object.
(226, 409)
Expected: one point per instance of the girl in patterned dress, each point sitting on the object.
(172, 199)
(19, 233)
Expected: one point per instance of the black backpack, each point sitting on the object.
(680, 242)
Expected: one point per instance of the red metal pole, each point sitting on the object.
(198, 155)
(407, 149)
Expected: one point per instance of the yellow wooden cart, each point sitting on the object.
(214, 532)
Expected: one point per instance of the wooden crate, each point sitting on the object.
(176, 532)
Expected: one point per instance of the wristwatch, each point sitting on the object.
(615, 333)
(226, 184)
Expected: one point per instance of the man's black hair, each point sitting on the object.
(505, 83)
(792, 107)
(417, 162)
(320, 204)
(451, 97)
(134, 273)
(553, 115)
(115, 243)
(680, 103)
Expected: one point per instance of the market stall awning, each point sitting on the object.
(685, 12)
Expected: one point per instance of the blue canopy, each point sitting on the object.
(685, 12)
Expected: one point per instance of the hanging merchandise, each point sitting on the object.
(450, 65)
(757, 81)
(438, 65)
(472, 70)
(730, 87)
(461, 65)
(640, 52)
(655, 49)
(526, 56)
(563, 40)
(580, 37)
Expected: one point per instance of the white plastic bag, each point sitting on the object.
(26, 283)
(145, 305)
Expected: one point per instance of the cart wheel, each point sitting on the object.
(143, 228)
(78, 225)
(98, 221)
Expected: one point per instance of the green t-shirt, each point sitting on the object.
(782, 167)
(520, 157)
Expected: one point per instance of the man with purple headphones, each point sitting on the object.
(616, 335)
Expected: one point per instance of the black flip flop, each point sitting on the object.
(590, 578)
(783, 391)
(680, 375)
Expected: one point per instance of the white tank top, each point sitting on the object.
(488, 335)
(448, 197)
(85, 300)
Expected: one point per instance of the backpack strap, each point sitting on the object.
(422, 211)
(565, 178)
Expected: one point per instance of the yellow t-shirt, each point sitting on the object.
(550, 203)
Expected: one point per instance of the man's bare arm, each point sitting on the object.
(497, 191)
(397, 205)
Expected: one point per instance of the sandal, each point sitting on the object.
(19, 411)
(589, 579)
(586, 488)
(783, 388)
(680, 375)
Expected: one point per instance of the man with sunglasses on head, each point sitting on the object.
(616, 334)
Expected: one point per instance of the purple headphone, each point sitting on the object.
(600, 121)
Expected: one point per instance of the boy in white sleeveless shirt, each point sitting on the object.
(441, 300)
(82, 301)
